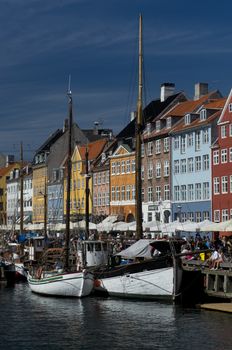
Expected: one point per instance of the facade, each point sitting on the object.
(4, 176)
(80, 178)
(191, 159)
(155, 170)
(14, 195)
(221, 166)
(122, 182)
(55, 196)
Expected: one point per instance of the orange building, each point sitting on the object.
(122, 182)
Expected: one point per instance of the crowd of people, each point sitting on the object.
(217, 250)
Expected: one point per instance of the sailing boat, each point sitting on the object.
(67, 278)
(146, 275)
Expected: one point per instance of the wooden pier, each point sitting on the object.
(222, 307)
(217, 283)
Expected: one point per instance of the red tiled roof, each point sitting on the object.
(217, 103)
(5, 170)
(94, 149)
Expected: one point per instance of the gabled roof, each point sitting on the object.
(151, 111)
(94, 149)
(4, 171)
(224, 114)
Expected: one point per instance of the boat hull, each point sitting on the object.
(15, 273)
(77, 284)
(153, 284)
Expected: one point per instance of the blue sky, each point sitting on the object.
(42, 42)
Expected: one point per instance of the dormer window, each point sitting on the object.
(230, 107)
(169, 122)
(157, 124)
(148, 127)
(203, 114)
(187, 119)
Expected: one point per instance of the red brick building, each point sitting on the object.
(222, 166)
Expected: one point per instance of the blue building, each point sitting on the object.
(191, 161)
(56, 197)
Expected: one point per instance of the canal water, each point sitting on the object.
(30, 321)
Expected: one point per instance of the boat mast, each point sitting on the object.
(138, 132)
(45, 207)
(69, 169)
(21, 188)
(86, 193)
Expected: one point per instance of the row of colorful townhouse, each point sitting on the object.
(186, 156)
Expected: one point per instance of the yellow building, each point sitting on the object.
(78, 178)
(4, 175)
(39, 184)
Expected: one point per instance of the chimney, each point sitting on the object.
(9, 159)
(96, 126)
(201, 89)
(167, 89)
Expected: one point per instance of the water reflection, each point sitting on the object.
(36, 322)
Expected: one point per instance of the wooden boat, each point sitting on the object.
(144, 276)
(69, 279)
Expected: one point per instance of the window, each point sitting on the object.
(113, 193)
(169, 122)
(216, 185)
(118, 167)
(203, 114)
(223, 131)
(122, 193)
(190, 140)
(198, 163)
(230, 128)
(95, 179)
(166, 192)
(117, 193)
(128, 192)
(158, 146)
(197, 140)
(191, 216)
(133, 165)
(190, 192)
(176, 142)
(205, 136)
(176, 193)
(150, 148)
(183, 166)
(166, 144)
(198, 216)
(190, 165)
(158, 125)
(123, 167)
(230, 107)
(142, 149)
(215, 157)
(224, 184)
(133, 191)
(158, 193)
(230, 154)
(128, 169)
(166, 168)
(216, 216)
(225, 215)
(113, 168)
(183, 192)
(150, 194)
(198, 191)
(142, 172)
(205, 162)
(158, 169)
(150, 170)
(187, 119)
(176, 166)
(205, 190)
(149, 216)
(182, 144)
(230, 183)
(205, 215)
(224, 155)
(142, 194)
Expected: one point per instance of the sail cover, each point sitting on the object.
(141, 248)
